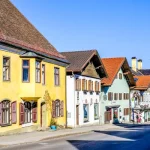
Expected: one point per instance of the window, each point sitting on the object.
(126, 111)
(38, 71)
(78, 84)
(86, 112)
(43, 74)
(97, 89)
(120, 96)
(110, 96)
(57, 106)
(5, 112)
(56, 75)
(120, 75)
(115, 96)
(96, 111)
(26, 72)
(6, 68)
(27, 112)
(90, 86)
(84, 85)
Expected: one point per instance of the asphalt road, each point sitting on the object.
(137, 138)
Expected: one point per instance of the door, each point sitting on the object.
(77, 114)
(43, 115)
(107, 116)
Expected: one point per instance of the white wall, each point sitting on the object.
(83, 99)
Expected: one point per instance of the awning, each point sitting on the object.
(113, 106)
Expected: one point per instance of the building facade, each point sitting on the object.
(33, 76)
(140, 100)
(83, 87)
(115, 91)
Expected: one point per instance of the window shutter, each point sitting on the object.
(76, 84)
(0, 113)
(124, 95)
(14, 112)
(22, 116)
(79, 84)
(53, 109)
(111, 95)
(34, 114)
(89, 85)
(95, 86)
(83, 84)
(62, 108)
(92, 86)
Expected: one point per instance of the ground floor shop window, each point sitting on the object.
(27, 112)
(86, 112)
(96, 111)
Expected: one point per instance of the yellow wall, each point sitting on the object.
(15, 89)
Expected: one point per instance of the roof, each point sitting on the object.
(16, 30)
(143, 82)
(112, 66)
(145, 71)
(79, 59)
(136, 73)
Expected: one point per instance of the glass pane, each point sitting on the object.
(37, 64)
(85, 110)
(25, 62)
(6, 61)
(25, 74)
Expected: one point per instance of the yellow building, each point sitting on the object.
(32, 76)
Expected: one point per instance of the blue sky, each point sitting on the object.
(114, 27)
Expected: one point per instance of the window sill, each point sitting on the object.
(6, 80)
(37, 82)
(5, 125)
(25, 81)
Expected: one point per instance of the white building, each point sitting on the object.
(83, 87)
(140, 99)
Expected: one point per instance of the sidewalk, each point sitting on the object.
(41, 135)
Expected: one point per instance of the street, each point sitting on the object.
(135, 138)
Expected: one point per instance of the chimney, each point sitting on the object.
(134, 63)
(139, 64)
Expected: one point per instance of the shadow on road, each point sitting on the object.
(116, 139)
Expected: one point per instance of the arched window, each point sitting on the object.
(57, 108)
(27, 112)
(5, 112)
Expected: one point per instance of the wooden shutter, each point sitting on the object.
(89, 85)
(22, 116)
(86, 85)
(76, 84)
(120, 96)
(95, 86)
(92, 85)
(53, 109)
(114, 96)
(62, 108)
(83, 83)
(14, 112)
(124, 95)
(109, 96)
(34, 114)
(79, 84)
(0, 113)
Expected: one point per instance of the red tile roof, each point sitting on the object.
(143, 82)
(112, 66)
(16, 30)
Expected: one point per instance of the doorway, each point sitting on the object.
(43, 115)
(77, 114)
